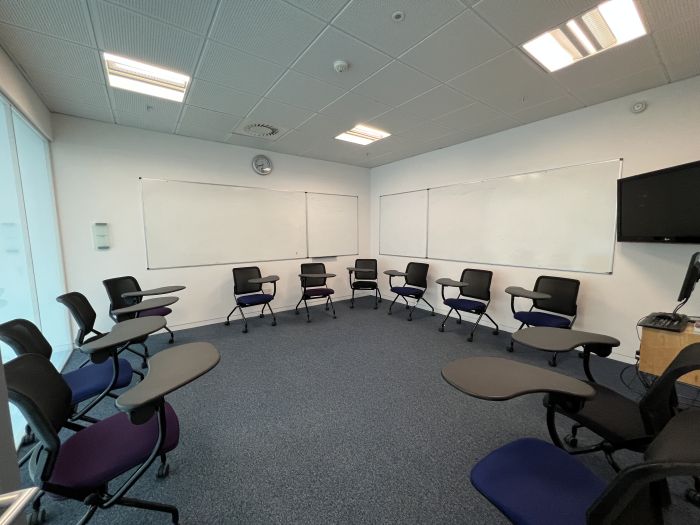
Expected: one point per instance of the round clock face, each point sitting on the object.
(262, 165)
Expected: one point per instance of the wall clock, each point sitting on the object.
(262, 165)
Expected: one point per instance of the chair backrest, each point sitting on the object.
(479, 284)
(564, 293)
(370, 265)
(314, 268)
(82, 311)
(417, 274)
(660, 402)
(240, 280)
(23, 337)
(115, 287)
(42, 395)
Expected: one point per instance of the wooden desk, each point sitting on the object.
(659, 347)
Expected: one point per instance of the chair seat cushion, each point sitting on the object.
(253, 299)
(407, 290)
(612, 416)
(108, 448)
(542, 319)
(364, 285)
(91, 380)
(534, 482)
(466, 305)
(163, 311)
(318, 292)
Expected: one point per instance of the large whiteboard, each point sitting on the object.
(332, 224)
(403, 224)
(192, 224)
(561, 219)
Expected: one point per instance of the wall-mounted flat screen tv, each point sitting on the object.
(660, 206)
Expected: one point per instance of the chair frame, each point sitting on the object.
(377, 293)
(304, 295)
(418, 297)
(242, 306)
(476, 312)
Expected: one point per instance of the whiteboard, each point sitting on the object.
(560, 219)
(403, 224)
(332, 224)
(194, 224)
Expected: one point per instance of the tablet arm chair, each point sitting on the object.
(553, 305)
(116, 287)
(363, 276)
(474, 297)
(414, 286)
(82, 466)
(533, 482)
(248, 291)
(313, 278)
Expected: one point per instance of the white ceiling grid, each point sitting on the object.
(451, 71)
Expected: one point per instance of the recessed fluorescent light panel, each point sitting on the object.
(124, 73)
(363, 135)
(610, 24)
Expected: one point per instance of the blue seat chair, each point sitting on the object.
(414, 286)
(363, 276)
(557, 311)
(474, 297)
(248, 291)
(314, 288)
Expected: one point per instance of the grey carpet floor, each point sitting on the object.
(341, 421)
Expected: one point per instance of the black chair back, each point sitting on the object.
(83, 313)
(660, 402)
(42, 395)
(314, 282)
(479, 286)
(23, 337)
(564, 293)
(241, 277)
(417, 274)
(371, 269)
(115, 287)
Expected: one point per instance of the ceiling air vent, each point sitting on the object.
(257, 129)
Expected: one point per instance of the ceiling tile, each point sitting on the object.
(323, 126)
(278, 114)
(620, 87)
(669, 12)
(521, 21)
(469, 117)
(334, 150)
(356, 107)
(203, 133)
(130, 102)
(548, 109)
(294, 142)
(436, 102)
(395, 84)
(303, 91)
(462, 44)
(396, 121)
(194, 118)
(124, 32)
(34, 51)
(192, 15)
(223, 99)
(325, 9)
(69, 88)
(154, 121)
(67, 19)
(78, 108)
(371, 21)
(271, 29)
(424, 132)
(678, 45)
(618, 62)
(236, 69)
(250, 142)
(334, 45)
(509, 82)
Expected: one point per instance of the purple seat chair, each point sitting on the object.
(314, 288)
(414, 286)
(474, 298)
(248, 291)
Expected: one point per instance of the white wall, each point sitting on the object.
(16, 88)
(96, 171)
(646, 277)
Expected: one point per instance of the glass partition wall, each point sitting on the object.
(31, 268)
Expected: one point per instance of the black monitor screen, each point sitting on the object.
(661, 206)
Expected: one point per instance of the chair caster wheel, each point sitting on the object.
(296, 312)
(693, 496)
(441, 329)
(459, 322)
(352, 306)
(334, 317)
(571, 441)
(262, 316)
(37, 517)
(244, 331)
(470, 338)
(552, 363)
(227, 323)
(171, 341)
(407, 307)
(495, 332)
(388, 313)
(509, 349)
(432, 313)
(410, 319)
(274, 323)
(308, 320)
(163, 470)
(379, 301)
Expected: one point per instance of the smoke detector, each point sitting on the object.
(398, 16)
(638, 107)
(340, 66)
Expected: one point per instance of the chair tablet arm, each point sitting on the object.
(395, 273)
(261, 280)
(148, 304)
(446, 281)
(353, 269)
(121, 334)
(168, 370)
(312, 275)
(517, 291)
(154, 291)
